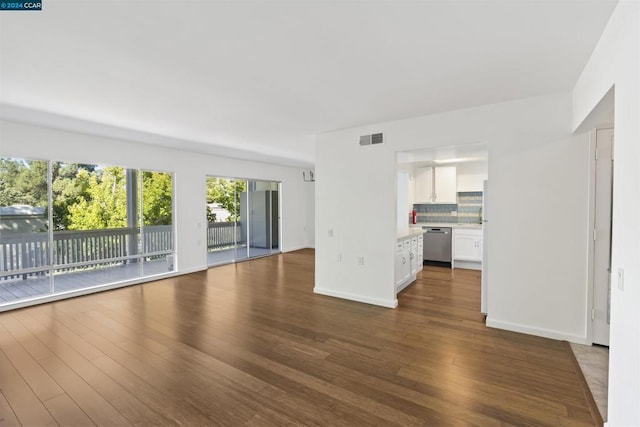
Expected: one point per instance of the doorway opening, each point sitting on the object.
(602, 232)
(444, 189)
(594, 359)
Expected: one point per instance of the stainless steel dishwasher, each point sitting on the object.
(437, 244)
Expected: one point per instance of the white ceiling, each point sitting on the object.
(265, 77)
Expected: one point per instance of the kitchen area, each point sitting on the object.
(442, 212)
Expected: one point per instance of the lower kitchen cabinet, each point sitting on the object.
(408, 260)
(416, 254)
(403, 264)
(467, 248)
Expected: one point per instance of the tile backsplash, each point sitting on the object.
(469, 209)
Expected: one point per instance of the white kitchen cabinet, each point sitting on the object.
(445, 189)
(471, 176)
(467, 245)
(470, 182)
(414, 256)
(424, 185)
(436, 184)
(403, 265)
(408, 260)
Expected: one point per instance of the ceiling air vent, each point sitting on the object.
(365, 140)
(376, 138)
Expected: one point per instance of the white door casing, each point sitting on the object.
(600, 313)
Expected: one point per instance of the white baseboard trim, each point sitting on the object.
(296, 248)
(540, 332)
(354, 297)
(187, 271)
(411, 280)
(469, 265)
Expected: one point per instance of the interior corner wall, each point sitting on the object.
(189, 169)
(615, 63)
(311, 215)
(538, 206)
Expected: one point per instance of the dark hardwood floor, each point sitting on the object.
(250, 344)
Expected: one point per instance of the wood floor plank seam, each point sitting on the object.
(199, 351)
(71, 362)
(252, 344)
(23, 401)
(42, 385)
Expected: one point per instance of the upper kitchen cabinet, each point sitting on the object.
(444, 185)
(436, 184)
(424, 185)
(471, 176)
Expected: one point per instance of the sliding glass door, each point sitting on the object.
(264, 219)
(68, 227)
(225, 242)
(243, 219)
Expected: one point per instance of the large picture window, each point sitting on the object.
(68, 227)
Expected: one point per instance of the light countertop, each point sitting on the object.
(417, 229)
(447, 224)
(412, 231)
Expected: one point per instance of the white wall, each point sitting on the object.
(190, 169)
(538, 174)
(405, 196)
(311, 215)
(356, 203)
(615, 62)
(539, 239)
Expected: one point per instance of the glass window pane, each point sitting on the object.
(92, 240)
(253, 207)
(224, 234)
(240, 191)
(263, 205)
(157, 222)
(107, 226)
(24, 224)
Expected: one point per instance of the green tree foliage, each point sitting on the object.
(9, 171)
(226, 192)
(105, 205)
(85, 197)
(23, 182)
(157, 196)
(70, 185)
